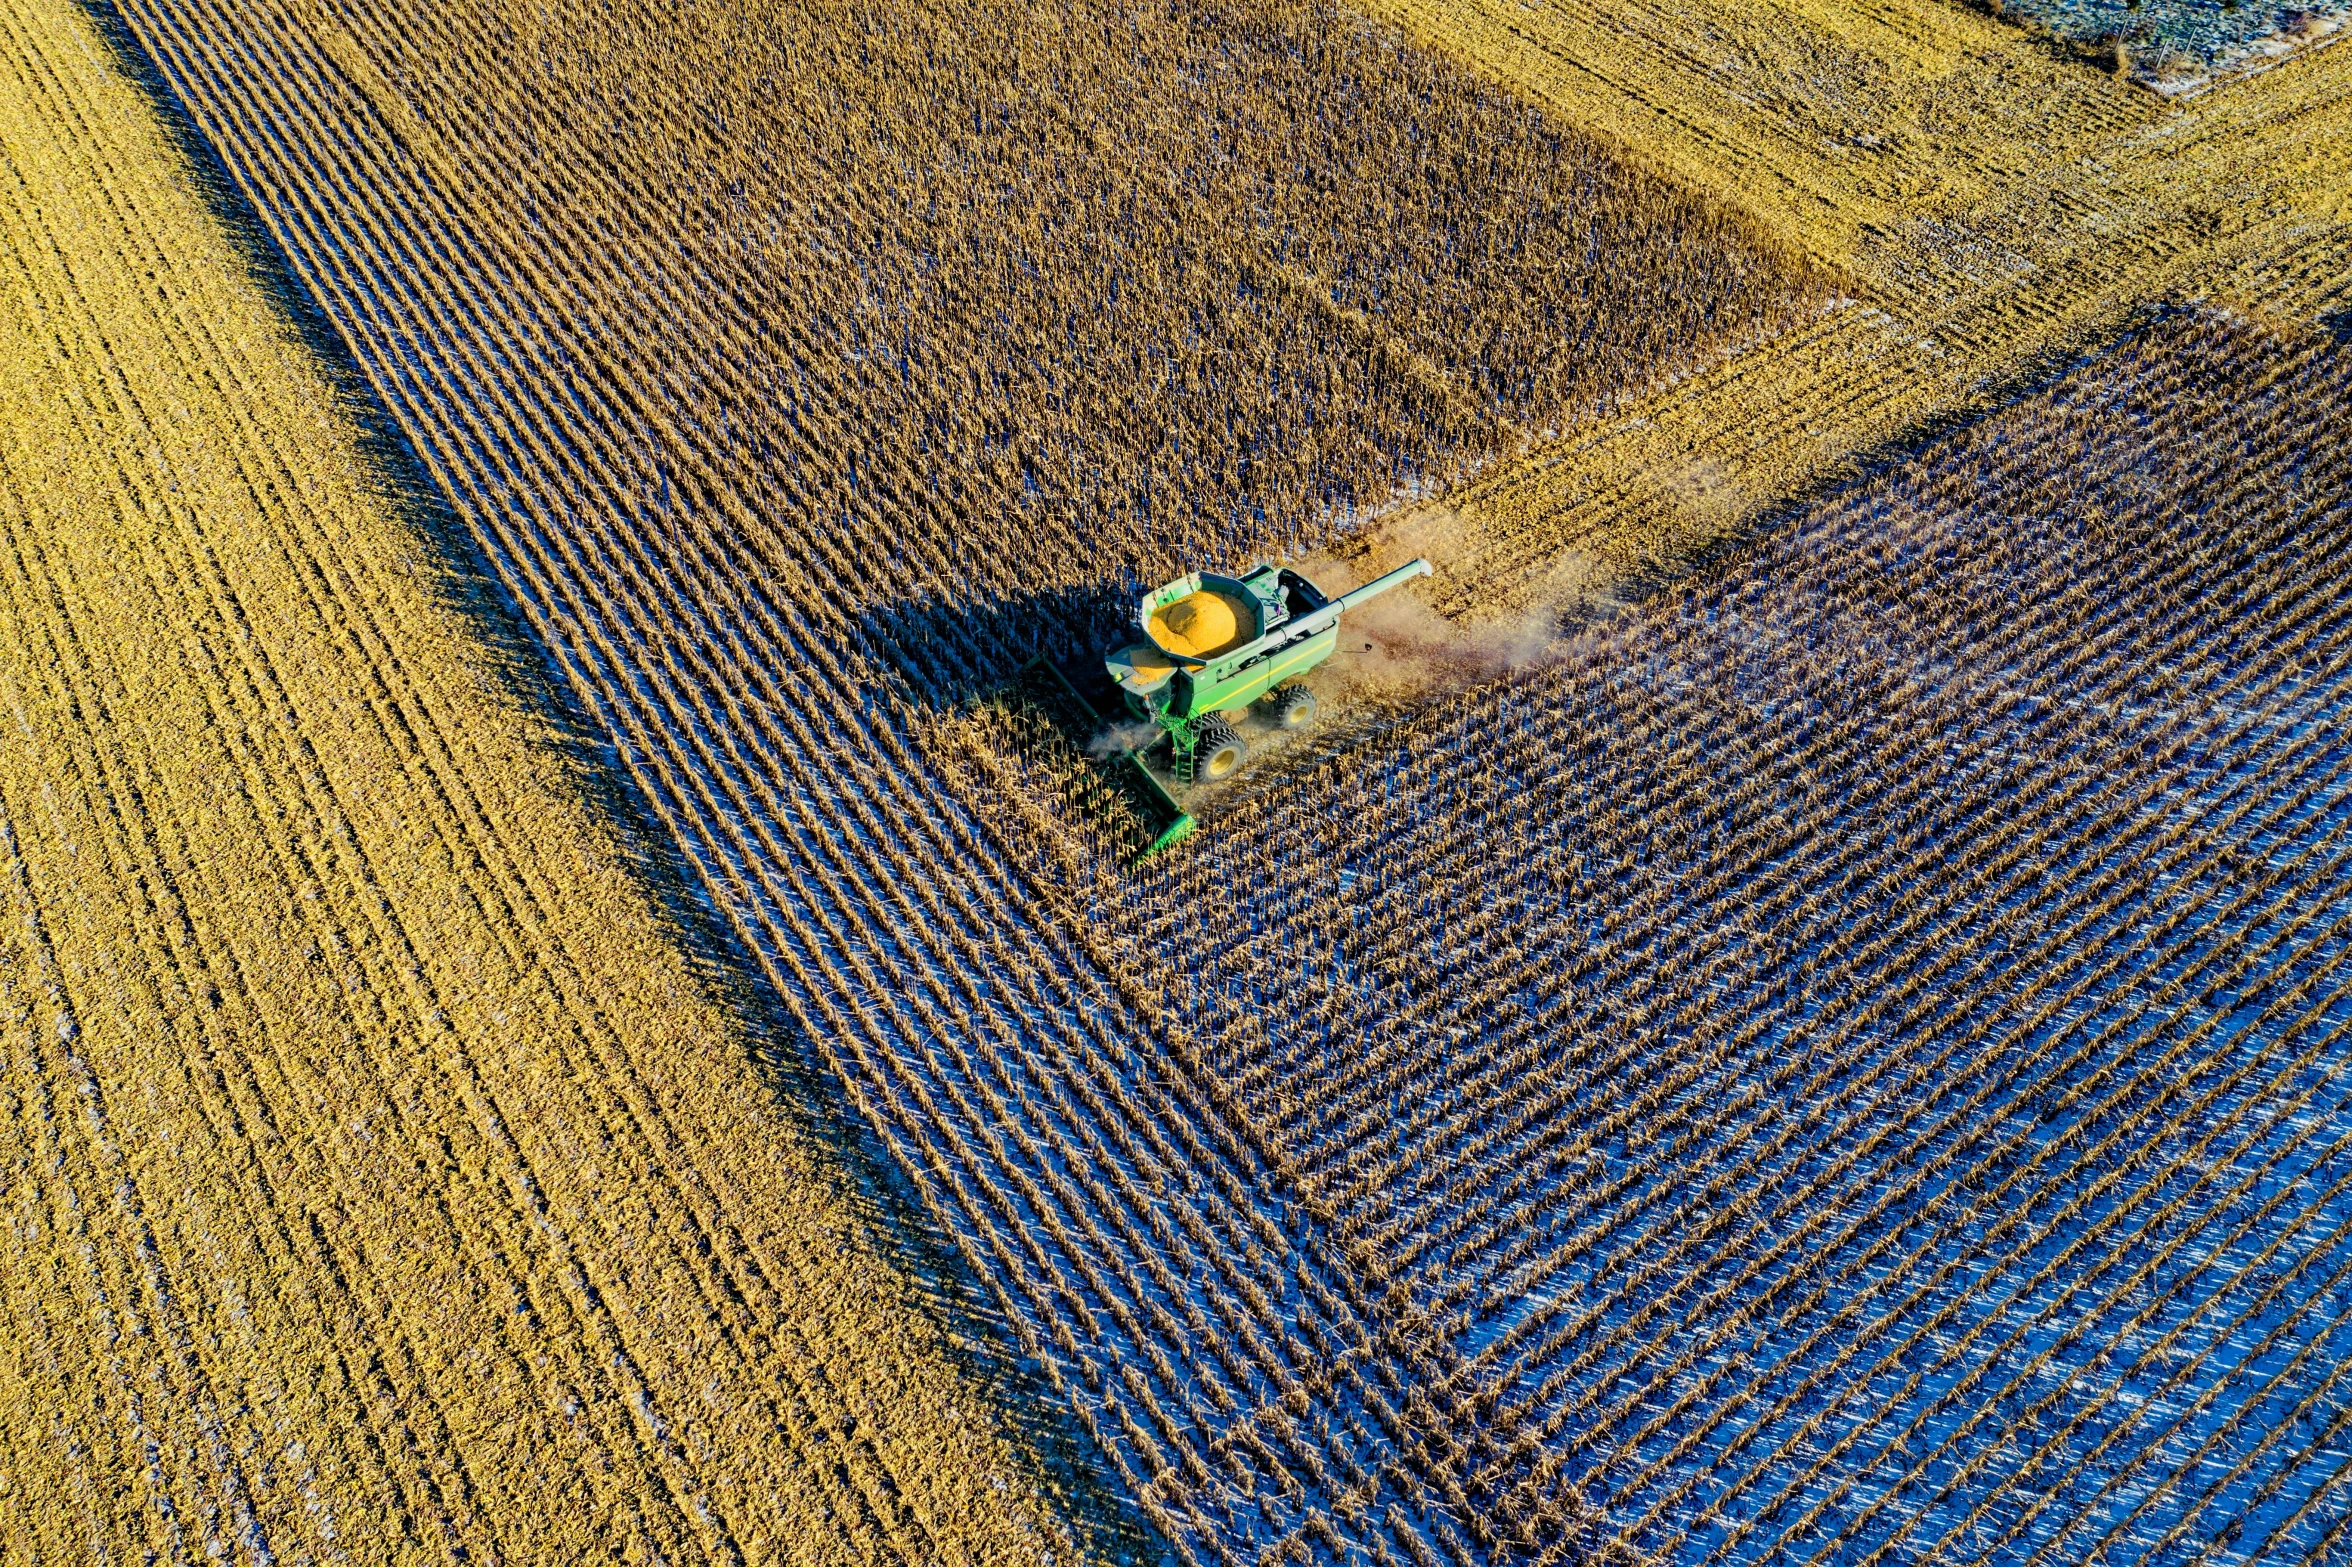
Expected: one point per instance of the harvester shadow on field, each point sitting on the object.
(950, 652)
(511, 655)
(979, 675)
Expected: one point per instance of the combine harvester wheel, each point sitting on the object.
(1216, 752)
(1291, 707)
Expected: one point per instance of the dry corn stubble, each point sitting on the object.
(1854, 1050)
(381, 1179)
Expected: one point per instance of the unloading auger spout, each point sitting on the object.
(1373, 589)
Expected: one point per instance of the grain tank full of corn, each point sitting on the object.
(1215, 647)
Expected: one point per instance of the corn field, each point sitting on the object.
(801, 370)
(1841, 1065)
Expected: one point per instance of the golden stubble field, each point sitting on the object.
(1993, 208)
(379, 1177)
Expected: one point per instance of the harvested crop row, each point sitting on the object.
(381, 1180)
(786, 363)
(1881, 1090)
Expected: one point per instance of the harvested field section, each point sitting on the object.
(381, 1181)
(1883, 1088)
(760, 460)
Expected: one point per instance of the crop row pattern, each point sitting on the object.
(1855, 1056)
(797, 366)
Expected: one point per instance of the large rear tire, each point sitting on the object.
(1217, 750)
(1292, 707)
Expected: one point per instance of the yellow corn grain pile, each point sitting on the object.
(1203, 624)
(378, 1178)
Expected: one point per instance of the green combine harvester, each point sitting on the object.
(1214, 649)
